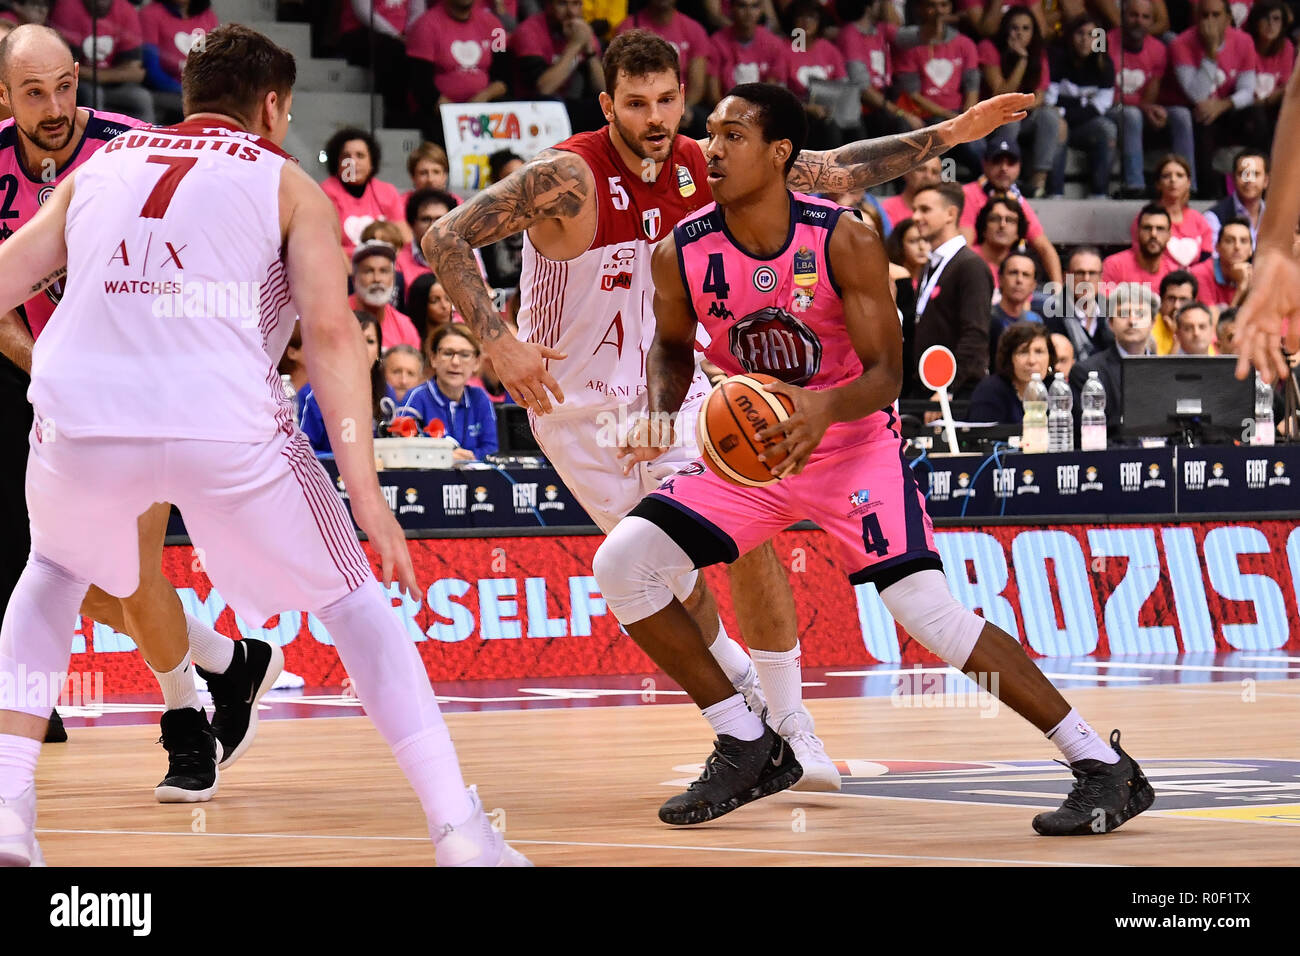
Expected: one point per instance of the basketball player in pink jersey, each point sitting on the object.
(48, 138)
(213, 431)
(591, 210)
(786, 285)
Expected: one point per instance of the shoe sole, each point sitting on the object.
(18, 855)
(770, 786)
(181, 795)
(273, 668)
(818, 780)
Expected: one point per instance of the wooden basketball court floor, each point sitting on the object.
(581, 786)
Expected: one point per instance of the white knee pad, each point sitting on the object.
(639, 570)
(36, 638)
(922, 603)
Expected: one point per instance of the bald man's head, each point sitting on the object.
(38, 83)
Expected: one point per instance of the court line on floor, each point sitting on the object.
(615, 846)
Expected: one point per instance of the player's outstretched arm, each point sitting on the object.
(857, 257)
(870, 162)
(36, 255)
(556, 185)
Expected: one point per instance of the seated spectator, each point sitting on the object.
(403, 370)
(387, 232)
(1018, 277)
(818, 76)
(1190, 236)
(1000, 228)
(1064, 354)
(18, 12)
(169, 28)
(1267, 25)
(428, 168)
(382, 398)
(906, 247)
(352, 157)
(937, 69)
(956, 290)
(1224, 331)
(424, 207)
(1194, 329)
(1176, 290)
(864, 40)
(1249, 180)
(1075, 312)
(1145, 260)
(746, 52)
(694, 49)
(867, 204)
(983, 18)
(1132, 308)
(1224, 278)
(451, 56)
(502, 262)
(428, 305)
(1083, 88)
(106, 39)
(1140, 60)
(557, 56)
(930, 173)
(1001, 170)
(373, 35)
(374, 279)
(1214, 72)
(452, 353)
(1015, 61)
(1024, 348)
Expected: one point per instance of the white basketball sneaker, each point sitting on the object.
(819, 772)
(18, 846)
(752, 691)
(475, 842)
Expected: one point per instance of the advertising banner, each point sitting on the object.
(477, 130)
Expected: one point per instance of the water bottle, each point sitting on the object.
(291, 393)
(1092, 402)
(1060, 415)
(1033, 437)
(1263, 434)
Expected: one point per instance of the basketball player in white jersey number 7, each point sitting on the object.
(153, 406)
(592, 210)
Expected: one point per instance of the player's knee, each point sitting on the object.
(922, 603)
(636, 569)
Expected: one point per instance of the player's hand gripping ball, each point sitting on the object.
(736, 409)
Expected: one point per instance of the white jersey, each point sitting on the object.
(177, 304)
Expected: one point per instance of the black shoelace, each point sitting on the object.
(711, 765)
(189, 756)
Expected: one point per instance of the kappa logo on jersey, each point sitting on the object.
(765, 279)
(685, 185)
(650, 221)
(773, 341)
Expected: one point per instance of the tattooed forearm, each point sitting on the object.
(50, 279)
(555, 185)
(868, 162)
(670, 368)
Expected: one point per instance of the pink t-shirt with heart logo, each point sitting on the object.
(1188, 239)
(461, 53)
(1235, 57)
(1133, 71)
(173, 35)
(819, 61)
(118, 32)
(941, 67)
(1272, 72)
(870, 49)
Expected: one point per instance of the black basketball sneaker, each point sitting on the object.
(1104, 796)
(252, 672)
(193, 753)
(736, 773)
(55, 733)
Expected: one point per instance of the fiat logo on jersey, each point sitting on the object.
(45, 193)
(764, 279)
(650, 220)
(772, 340)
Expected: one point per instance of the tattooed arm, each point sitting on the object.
(870, 162)
(555, 186)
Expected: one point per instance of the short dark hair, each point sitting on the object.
(894, 241)
(781, 112)
(950, 193)
(422, 197)
(1154, 209)
(1193, 306)
(1236, 221)
(1017, 253)
(1013, 337)
(233, 69)
(334, 149)
(639, 53)
(1081, 251)
(499, 161)
(1250, 152)
(982, 220)
(1179, 277)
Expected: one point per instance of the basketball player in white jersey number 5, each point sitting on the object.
(151, 405)
(592, 210)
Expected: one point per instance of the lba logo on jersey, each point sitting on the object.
(46, 192)
(650, 221)
(773, 341)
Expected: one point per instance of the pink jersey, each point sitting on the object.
(761, 60)
(173, 319)
(118, 32)
(869, 49)
(380, 200)
(938, 71)
(597, 307)
(820, 61)
(1123, 266)
(1236, 56)
(1133, 71)
(461, 53)
(173, 35)
(686, 36)
(22, 194)
(977, 197)
(780, 314)
(1272, 72)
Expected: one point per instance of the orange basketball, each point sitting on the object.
(733, 412)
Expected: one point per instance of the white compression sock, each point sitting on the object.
(178, 686)
(210, 650)
(734, 718)
(1078, 741)
(781, 675)
(731, 657)
(17, 765)
(393, 686)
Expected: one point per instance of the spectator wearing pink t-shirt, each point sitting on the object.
(455, 54)
(352, 157)
(1001, 170)
(170, 28)
(110, 51)
(746, 52)
(1223, 277)
(985, 17)
(1267, 25)
(1190, 237)
(694, 49)
(865, 40)
(1144, 261)
(819, 77)
(375, 281)
(558, 57)
(372, 34)
(929, 173)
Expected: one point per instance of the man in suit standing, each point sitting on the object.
(1132, 309)
(955, 294)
